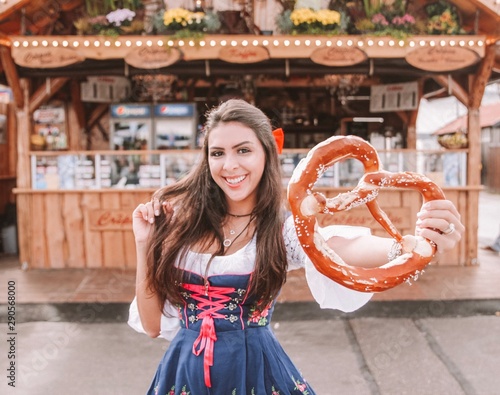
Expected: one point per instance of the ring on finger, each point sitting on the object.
(450, 229)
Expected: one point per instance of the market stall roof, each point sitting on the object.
(43, 17)
(51, 49)
(489, 115)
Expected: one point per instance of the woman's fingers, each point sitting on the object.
(439, 221)
(441, 205)
(145, 211)
(156, 206)
(148, 211)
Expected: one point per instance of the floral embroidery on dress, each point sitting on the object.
(172, 391)
(302, 387)
(274, 392)
(259, 317)
(184, 392)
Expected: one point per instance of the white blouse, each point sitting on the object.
(327, 293)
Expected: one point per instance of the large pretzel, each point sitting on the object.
(417, 252)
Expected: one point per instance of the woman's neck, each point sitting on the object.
(240, 210)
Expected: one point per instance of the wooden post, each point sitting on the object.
(73, 128)
(477, 85)
(23, 177)
(12, 139)
(76, 117)
(76, 99)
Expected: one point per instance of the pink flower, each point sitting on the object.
(403, 20)
(379, 19)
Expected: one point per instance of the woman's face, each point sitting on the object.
(237, 160)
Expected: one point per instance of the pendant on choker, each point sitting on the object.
(227, 242)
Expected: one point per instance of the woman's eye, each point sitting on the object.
(216, 153)
(243, 150)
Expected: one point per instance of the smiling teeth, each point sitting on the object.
(235, 180)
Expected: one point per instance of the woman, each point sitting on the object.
(213, 251)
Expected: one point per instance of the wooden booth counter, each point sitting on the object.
(89, 225)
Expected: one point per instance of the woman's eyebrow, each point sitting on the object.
(235, 146)
(242, 143)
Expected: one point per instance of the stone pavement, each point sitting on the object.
(365, 355)
(439, 336)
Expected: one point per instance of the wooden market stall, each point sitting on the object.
(86, 223)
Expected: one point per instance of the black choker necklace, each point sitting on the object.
(240, 215)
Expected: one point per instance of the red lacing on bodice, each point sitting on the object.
(210, 299)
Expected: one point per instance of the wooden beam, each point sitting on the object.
(12, 76)
(454, 87)
(96, 115)
(45, 92)
(482, 76)
(11, 6)
(403, 115)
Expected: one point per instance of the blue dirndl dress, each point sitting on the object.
(225, 345)
(220, 343)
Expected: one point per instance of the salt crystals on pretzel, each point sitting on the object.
(417, 252)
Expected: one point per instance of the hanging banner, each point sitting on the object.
(244, 54)
(105, 89)
(394, 97)
(152, 58)
(46, 58)
(338, 56)
(441, 59)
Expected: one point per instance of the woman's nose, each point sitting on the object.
(231, 162)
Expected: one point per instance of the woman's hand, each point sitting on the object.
(439, 221)
(143, 218)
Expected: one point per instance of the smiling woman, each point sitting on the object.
(236, 164)
(213, 251)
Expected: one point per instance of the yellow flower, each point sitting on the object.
(303, 15)
(309, 16)
(328, 17)
(182, 17)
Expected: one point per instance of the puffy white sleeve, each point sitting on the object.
(169, 325)
(327, 293)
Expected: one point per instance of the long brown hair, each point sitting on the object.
(200, 208)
